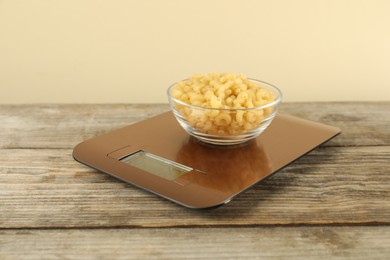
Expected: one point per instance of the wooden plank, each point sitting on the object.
(325, 205)
(361, 123)
(194, 243)
(331, 185)
(63, 126)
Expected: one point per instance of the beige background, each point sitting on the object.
(90, 51)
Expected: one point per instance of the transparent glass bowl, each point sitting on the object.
(225, 126)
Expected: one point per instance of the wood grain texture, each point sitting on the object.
(332, 203)
(63, 126)
(47, 188)
(195, 243)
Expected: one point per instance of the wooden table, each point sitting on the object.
(333, 202)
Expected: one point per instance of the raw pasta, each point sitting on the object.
(220, 103)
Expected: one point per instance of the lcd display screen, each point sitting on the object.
(156, 165)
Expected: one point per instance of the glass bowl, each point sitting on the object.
(225, 126)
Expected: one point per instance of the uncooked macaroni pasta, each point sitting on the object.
(219, 102)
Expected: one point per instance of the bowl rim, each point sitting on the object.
(273, 103)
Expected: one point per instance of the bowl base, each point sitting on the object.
(220, 141)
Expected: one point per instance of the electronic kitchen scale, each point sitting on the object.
(159, 156)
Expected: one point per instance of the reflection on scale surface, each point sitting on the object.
(226, 169)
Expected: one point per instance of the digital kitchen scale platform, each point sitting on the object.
(159, 156)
